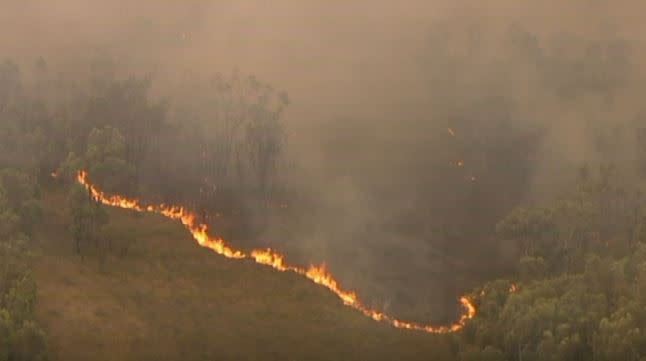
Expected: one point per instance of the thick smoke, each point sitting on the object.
(531, 91)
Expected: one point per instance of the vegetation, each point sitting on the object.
(79, 281)
(578, 292)
(21, 337)
(159, 296)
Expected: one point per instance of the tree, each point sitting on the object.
(126, 106)
(244, 132)
(105, 161)
(31, 214)
(20, 337)
(19, 208)
(9, 220)
(19, 187)
(104, 143)
(264, 140)
(621, 336)
(87, 219)
(533, 228)
(532, 268)
(489, 353)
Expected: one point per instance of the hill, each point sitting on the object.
(158, 295)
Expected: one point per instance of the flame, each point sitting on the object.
(451, 132)
(271, 258)
(513, 288)
(460, 163)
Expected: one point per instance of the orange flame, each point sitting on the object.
(268, 257)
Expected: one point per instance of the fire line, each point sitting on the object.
(271, 258)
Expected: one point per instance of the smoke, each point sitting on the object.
(531, 89)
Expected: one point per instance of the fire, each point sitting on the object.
(451, 132)
(271, 258)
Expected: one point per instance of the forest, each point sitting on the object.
(510, 172)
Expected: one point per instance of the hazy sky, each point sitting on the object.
(361, 109)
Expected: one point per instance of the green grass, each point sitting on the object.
(159, 296)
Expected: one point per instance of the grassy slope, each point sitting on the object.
(165, 298)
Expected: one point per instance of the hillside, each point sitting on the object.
(158, 295)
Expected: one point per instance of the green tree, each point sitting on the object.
(20, 337)
(21, 299)
(533, 228)
(69, 168)
(105, 159)
(20, 210)
(621, 336)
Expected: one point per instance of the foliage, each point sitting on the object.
(534, 228)
(583, 301)
(219, 148)
(20, 337)
(105, 160)
(20, 209)
(87, 220)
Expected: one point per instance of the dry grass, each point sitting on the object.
(159, 296)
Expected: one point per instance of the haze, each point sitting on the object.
(412, 127)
